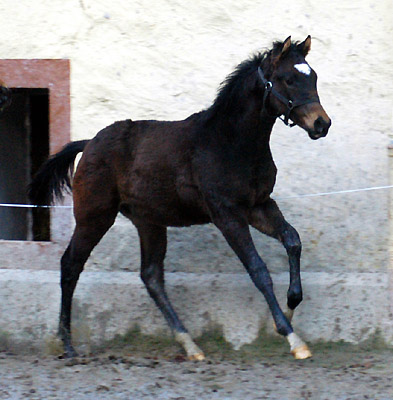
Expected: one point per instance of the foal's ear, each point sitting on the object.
(305, 46)
(281, 49)
(286, 46)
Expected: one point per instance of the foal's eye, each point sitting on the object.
(289, 81)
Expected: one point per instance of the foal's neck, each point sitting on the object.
(252, 127)
(236, 114)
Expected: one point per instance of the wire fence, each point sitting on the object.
(295, 196)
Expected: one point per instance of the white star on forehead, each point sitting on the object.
(303, 68)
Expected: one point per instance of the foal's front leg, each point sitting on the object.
(234, 226)
(268, 219)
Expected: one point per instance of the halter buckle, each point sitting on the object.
(268, 86)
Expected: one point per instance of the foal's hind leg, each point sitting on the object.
(153, 249)
(268, 219)
(84, 239)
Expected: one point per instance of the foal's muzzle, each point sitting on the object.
(321, 128)
(313, 119)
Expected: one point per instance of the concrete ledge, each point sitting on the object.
(349, 307)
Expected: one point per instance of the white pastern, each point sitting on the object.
(299, 349)
(294, 341)
(303, 68)
(193, 351)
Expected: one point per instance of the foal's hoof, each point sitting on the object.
(68, 356)
(196, 357)
(301, 352)
(299, 349)
(194, 353)
(69, 353)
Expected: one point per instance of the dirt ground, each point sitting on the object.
(148, 368)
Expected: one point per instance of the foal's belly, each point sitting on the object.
(163, 214)
(164, 205)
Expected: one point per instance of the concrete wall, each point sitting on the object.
(166, 59)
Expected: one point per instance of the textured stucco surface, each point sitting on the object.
(110, 303)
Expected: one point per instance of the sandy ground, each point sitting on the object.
(129, 372)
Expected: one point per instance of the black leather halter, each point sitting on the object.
(291, 104)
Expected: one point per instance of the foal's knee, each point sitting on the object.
(294, 249)
(291, 240)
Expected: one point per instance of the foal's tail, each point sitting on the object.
(55, 175)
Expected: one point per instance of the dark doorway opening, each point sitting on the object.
(24, 146)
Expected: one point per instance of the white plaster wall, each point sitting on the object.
(164, 59)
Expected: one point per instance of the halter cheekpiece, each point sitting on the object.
(291, 104)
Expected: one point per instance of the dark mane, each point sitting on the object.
(233, 81)
(230, 90)
(229, 96)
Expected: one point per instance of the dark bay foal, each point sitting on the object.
(215, 166)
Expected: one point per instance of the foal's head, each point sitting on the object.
(291, 87)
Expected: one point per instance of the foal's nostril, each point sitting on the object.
(321, 126)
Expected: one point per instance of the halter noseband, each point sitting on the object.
(291, 104)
